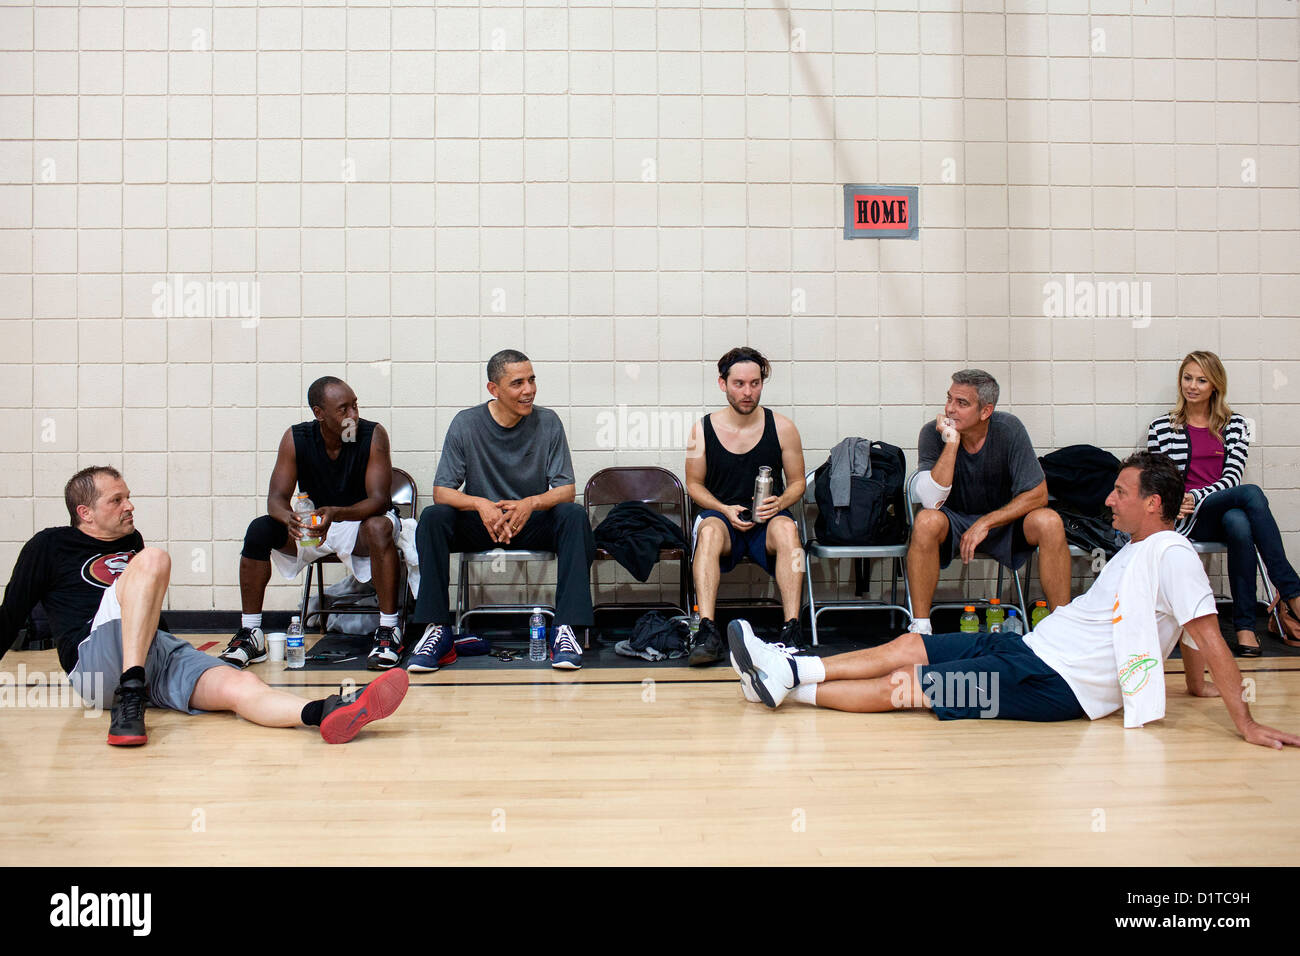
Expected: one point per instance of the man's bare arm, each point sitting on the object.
(941, 471)
(1204, 632)
(284, 478)
(1017, 507)
(456, 498)
(696, 468)
(792, 462)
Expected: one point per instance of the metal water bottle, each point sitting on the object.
(762, 488)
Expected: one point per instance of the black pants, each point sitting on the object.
(563, 529)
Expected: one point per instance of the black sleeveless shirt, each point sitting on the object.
(337, 482)
(730, 478)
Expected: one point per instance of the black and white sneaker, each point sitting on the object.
(386, 649)
(770, 668)
(248, 646)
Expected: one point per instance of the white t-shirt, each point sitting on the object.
(1076, 640)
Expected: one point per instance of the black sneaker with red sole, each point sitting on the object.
(345, 714)
(126, 728)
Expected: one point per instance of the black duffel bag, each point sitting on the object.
(876, 499)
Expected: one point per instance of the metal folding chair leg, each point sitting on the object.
(1020, 601)
(812, 603)
(320, 614)
(1271, 592)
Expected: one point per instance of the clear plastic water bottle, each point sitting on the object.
(295, 651)
(994, 617)
(695, 622)
(1039, 612)
(970, 621)
(1013, 623)
(537, 636)
(303, 507)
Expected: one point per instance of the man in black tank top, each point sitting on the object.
(342, 463)
(726, 450)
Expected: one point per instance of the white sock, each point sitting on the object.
(920, 625)
(811, 670)
(804, 694)
(250, 620)
(387, 620)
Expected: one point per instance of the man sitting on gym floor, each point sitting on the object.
(726, 450)
(103, 591)
(342, 463)
(1076, 663)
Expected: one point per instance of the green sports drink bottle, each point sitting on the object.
(1039, 612)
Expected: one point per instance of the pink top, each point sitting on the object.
(1205, 458)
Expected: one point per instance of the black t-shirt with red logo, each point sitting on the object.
(67, 571)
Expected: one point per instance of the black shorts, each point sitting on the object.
(993, 675)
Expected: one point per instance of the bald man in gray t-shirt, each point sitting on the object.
(504, 480)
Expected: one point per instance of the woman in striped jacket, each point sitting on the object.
(1209, 443)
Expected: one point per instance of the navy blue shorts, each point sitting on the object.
(751, 543)
(993, 675)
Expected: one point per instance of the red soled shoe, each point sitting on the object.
(345, 714)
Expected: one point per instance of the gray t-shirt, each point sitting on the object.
(983, 482)
(497, 463)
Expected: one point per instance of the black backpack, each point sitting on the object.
(875, 513)
(1080, 478)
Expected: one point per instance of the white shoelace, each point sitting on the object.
(427, 643)
(565, 641)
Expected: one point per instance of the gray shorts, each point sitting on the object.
(171, 667)
(1006, 545)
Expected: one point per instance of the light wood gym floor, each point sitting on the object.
(537, 767)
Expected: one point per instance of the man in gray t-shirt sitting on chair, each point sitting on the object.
(982, 490)
(505, 480)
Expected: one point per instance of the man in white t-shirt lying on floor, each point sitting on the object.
(1101, 652)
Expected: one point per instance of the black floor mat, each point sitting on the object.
(837, 632)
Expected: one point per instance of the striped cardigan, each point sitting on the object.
(1164, 438)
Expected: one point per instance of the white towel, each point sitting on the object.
(1138, 655)
(406, 544)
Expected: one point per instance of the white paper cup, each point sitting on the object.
(275, 645)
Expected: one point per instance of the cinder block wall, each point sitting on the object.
(623, 192)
